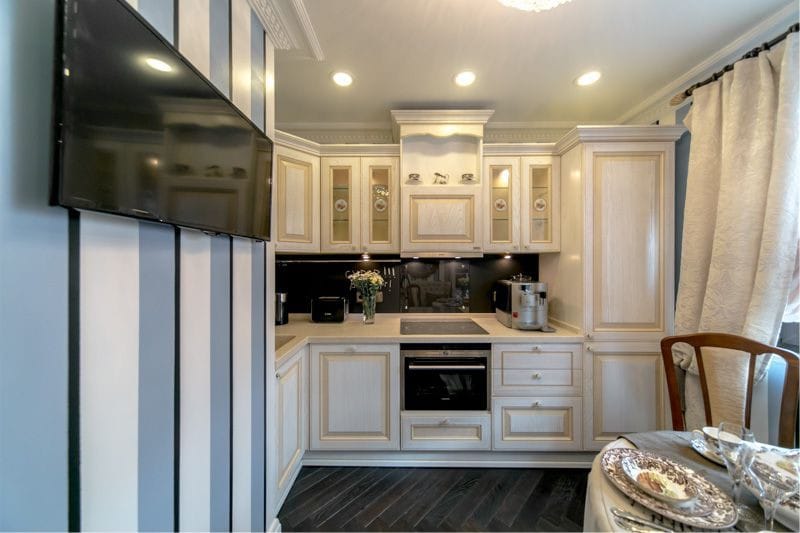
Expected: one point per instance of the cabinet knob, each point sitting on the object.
(443, 422)
(537, 375)
(535, 404)
(277, 375)
(534, 348)
(516, 247)
(589, 349)
(588, 335)
(476, 247)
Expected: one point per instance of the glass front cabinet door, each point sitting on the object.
(341, 212)
(501, 217)
(540, 204)
(380, 205)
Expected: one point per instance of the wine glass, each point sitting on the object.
(776, 476)
(731, 440)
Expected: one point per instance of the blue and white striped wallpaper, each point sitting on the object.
(137, 386)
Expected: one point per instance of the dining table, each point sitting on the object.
(604, 499)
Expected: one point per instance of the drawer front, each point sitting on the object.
(537, 356)
(536, 424)
(527, 382)
(430, 431)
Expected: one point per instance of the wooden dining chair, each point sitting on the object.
(788, 415)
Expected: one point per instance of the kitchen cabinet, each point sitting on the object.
(536, 424)
(297, 201)
(341, 204)
(355, 397)
(522, 211)
(623, 390)
(380, 204)
(291, 421)
(537, 369)
(436, 220)
(445, 430)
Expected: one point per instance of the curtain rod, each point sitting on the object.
(683, 95)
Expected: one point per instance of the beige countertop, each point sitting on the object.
(386, 329)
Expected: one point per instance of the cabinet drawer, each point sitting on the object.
(527, 382)
(444, 431)
(536, 424)
(536, 356)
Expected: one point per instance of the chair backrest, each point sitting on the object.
(788, 414)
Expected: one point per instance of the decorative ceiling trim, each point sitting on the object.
(438, 116)
(308, 146)
(298, 143)
(619, 133)
(516, 149)
(310, 35)
(274, 23)
(763, 31)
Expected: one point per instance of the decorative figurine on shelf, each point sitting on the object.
(368, 283)
(440, 179)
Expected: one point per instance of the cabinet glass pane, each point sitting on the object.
(500, 176)
(541, 193)
(341, 208)
(380, 203)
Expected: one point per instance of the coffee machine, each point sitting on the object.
(521, 304)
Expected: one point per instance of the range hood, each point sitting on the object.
(440, 255)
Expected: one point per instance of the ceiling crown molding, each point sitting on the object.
(283, 20)
(657, 104)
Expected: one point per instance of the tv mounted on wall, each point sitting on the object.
(140, 132)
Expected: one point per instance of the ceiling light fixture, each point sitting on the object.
(533, 5)
(465, 78)
(157, 64)
(342, 79)
(588, 78)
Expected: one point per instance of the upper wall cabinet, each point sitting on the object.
(441, 156)
(540, 209)
(501, 217)
(341, 204)
(380, 201)
(297, 201)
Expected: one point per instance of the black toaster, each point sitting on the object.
(329, 309)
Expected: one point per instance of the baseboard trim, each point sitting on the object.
(450, 459)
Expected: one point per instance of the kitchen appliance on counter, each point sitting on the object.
(521, 304)
(445, 377)
(329, 309)
(281, 308)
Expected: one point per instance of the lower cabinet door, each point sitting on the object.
(444, 431)
(355, 397)
(291, 417)
(536, 424)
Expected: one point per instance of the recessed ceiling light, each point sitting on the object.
(465, 78)
(588, 78)
(157, 64)
(342, 79)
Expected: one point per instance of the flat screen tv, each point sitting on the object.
(140, 132)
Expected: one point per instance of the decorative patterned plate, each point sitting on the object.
(340, 205)
(660, 480)
(500, 204)
(713, 509)
(540, 204)
(380, 205)
(700, 446)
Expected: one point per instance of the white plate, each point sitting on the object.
(700, 446)
(712, 510)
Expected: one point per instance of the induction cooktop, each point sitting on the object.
(441, 327)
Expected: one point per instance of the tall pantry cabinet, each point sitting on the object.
(613, 278)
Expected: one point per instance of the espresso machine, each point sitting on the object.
(521, 304)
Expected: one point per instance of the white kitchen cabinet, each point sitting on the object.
(623, 391)
(501, 214)
(540, 203)
(380, 204)
(297, 201)
(341, 204)
(355, 397)
(445, 430)
(292, 419)
(441, 219)
(536, 424)
(539, 369)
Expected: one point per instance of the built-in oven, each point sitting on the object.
(445, 377)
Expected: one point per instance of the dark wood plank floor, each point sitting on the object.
(435, 499)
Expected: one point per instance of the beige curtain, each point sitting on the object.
(741, 218)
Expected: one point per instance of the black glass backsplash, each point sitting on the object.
(413, 285)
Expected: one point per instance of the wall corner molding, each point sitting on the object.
(288, 25)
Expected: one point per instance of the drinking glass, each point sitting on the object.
(732, 438)
(776, 476)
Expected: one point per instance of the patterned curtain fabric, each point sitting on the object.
(740, 237)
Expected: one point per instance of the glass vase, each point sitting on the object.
(368, 302)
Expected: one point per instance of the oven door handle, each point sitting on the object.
(447, 367)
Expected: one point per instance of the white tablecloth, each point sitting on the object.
(601, 496)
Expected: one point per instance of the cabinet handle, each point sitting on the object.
(537, 375)
(516, 247)
(534, 348)
(476, 247)
(535, 404)
(588, 335)
(277, 375)
(443, 422)
(589, 349)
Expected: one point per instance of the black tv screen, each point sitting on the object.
(140, 132)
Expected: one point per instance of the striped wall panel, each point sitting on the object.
(194, 33)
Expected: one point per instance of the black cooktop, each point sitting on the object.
(441, 327)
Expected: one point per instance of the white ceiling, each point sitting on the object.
(403, 55)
